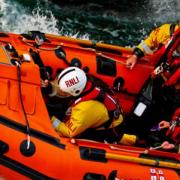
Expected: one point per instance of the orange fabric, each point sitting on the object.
(4, 58)
(7, 174)
(28, 97)
(10, 106)
(52, 160)
(4, 91)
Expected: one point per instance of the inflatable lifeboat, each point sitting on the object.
(29, 146)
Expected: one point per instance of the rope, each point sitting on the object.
(22, 105)
(146, 151)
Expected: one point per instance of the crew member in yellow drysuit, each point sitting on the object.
(92, 111)
(158, 37)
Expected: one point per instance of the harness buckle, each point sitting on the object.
(163, 67)
(116, 113)
(174, 123)
(158, 70)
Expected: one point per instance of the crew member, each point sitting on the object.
(173, 131)
(158, 37)
(93, 114)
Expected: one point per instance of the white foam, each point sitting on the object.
(165, 10)
(18, 19)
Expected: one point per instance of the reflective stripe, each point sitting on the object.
(98, 89)
(56, 122)
(112, 99)
(77, 100)
(168, 42)
(146, 48)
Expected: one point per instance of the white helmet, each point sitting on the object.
(72, 80)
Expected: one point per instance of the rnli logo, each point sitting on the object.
(72, 81)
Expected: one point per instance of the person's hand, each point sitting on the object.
(131, 61)
(167, 146)
(44, 83)
(164, 124)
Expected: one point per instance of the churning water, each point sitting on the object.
(126, 26)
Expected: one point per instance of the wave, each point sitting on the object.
(16, 18)
(124, 27)
(164, 10)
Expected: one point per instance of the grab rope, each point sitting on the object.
(146, 151)
(97, 53)
(119, 62)
(22, 104)
(112, 59)
(75, 141)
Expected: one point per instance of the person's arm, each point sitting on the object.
(89, 114)
(149, 45)
(143, 48)
(132, 60)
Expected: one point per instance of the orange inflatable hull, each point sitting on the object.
(29, 146)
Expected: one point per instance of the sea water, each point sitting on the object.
(125, 26)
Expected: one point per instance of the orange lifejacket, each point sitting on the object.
(174, 130)
(92, 92)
